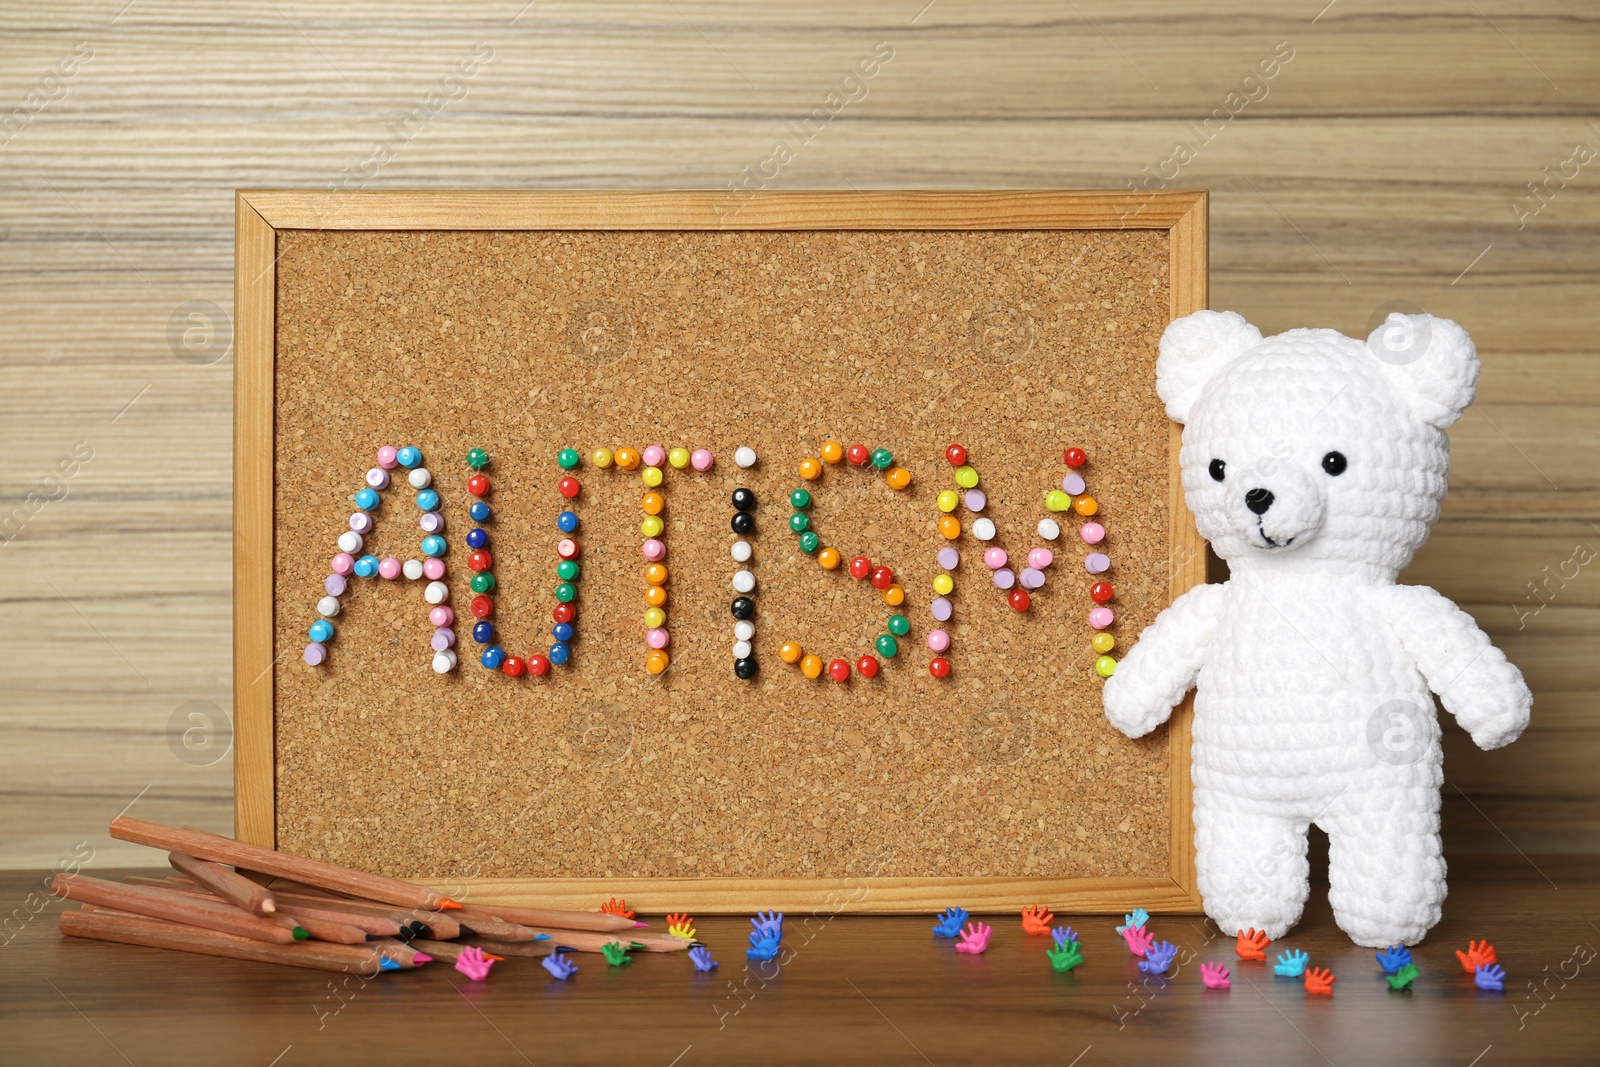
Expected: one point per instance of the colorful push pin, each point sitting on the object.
(1135, 919)
(1319, 980)
(975, 938)
(858, 455)
(1393, 958)
(957, 455)
(1291, 964)
(1138, 939)
(744, 457)
(950, 922)
(1064, 955)
(702, 459)
(1490, 977)
(1403, 977)
(616, 954)
(1062, 934)
(477, 459)
(560, 965)
(617, 907)
(700, 956)
(568, 458)
(1158, 957)
(1075, 457)
(867, 667)
(1252, 945)
(473, 963)
(769, 923)
(1477, 955)
(839, 670)
(680, 926)
(1036, 919)
(762, 948)
(1214, 975)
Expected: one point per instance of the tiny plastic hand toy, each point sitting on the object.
(1319, 980)
(975, 938)
(769, 923)
(1252, 945)
(1394, 958)
(1062, 934)
(1135, 919)
(680, 926)
(1490, 977)
(1477, 955)
(762, 948)
(1214, 975)
(1403, 976)
(615, 954)
(1065, 956)
(1036, 920)
(617, 907)
(473, 963)
(560, 965)
(700, 956)
(1291, 964)
(951, 920)
(1138, 939)
(1158, 957)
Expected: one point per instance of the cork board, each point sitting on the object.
(1016, 324)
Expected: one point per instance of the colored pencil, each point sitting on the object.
(399, 951)
(170, 905)
(225, 883)
(497, 929)
(442, 926)
(356, 953)
(591, 941)
(209, 846)
(366, 924)
(532, 949)
(565, 920)
(449, 950)
(152, 933)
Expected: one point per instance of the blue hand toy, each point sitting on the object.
(700, 956)
(1135, 920)
(1158, 957)
(769, 924)
(762, 948)
(951, 920)
(1063, 934)
(1291, 964)
(1396, 957)
(560, 966)
(1491, 978)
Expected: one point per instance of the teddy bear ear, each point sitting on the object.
(1193, 349)
(1431, 362)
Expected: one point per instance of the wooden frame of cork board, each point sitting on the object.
(1018, 322)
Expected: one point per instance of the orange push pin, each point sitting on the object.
(1036, 920)
(1252, 945)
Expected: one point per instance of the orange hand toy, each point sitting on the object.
(617, 907)
(1319, 980)
(679, 925)
(1478, 954)
(1036, 920)
(1252, 945)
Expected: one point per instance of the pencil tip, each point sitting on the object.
(422, 957)
(446, 904)
(640, 926)
(541, 937)
(372, 937)
(386, 964)
(268, 907)
(301, 933)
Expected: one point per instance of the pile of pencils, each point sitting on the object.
(317, 914)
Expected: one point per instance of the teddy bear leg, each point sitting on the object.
(1386, 870)
(1251, 865)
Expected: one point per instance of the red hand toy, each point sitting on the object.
(617, 907)
(1036, 920)
(1320, 980)
(1478, 954)
(1252, 945)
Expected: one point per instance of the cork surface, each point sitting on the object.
(1017, 344)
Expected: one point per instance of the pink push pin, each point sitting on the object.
(473, 963)
(974, 939)
(654, 550)
(361, 522)
(994, 558)
(389, 567)
(702, 459)
(1214, 975)
(1040, 558)
(388, 457)
(443, 615)
(566, 548)
(433, 568)
(653, 456)
(657, 637)
(1100, 618)
(316, 653)
(938, 640)
(344, 563)
(1093, 533)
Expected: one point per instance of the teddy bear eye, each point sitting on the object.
(1219, 470)
(1334, 463)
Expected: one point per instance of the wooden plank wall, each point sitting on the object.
(1387, 160)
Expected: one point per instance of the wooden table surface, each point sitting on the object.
(853, 990)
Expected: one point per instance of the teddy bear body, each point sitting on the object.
(1315, 468)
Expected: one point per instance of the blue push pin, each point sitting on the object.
(1291, 964)
(562, 631)
(700, 956)
(560, 653)
(567, 522)
(479, 511)
(434, 545)
(951, 920)
(1158, 957)
(408, 457)
(483, 632)
(560, 965)
(368, 499)
(1396, 957)
(366, 566)
(492, 657)
(428, 500)
(477, 538)
(321, 630)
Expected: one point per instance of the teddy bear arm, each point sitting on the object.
(1164, 663)
(1474, 680)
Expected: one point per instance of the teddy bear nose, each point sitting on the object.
(1258, 501)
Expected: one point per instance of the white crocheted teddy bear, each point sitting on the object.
(1315, 464)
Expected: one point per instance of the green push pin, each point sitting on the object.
(568, 570)
(799, 522)
(482, 582)
(810, 542)
(887, 646)
(568, 458)
(615, 954)
(477, 459)
(566, 592)
(800, 499)
(883, 459)
(1065, 957)
(899, 625)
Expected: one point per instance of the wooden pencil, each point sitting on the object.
(565, 920)
(104, 926)
(442, 926)
(497, 929)
(356, 953)
(402, 953)
(214, 847)
(170, 905)
(449, 950)
(225, 883)
(372, 925)
(592, 941)
(533, 949)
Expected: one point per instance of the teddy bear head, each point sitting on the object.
(1314, 447)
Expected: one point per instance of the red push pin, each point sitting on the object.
(956, 455)
(839, 670)
(867, 667)
(860, 567)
